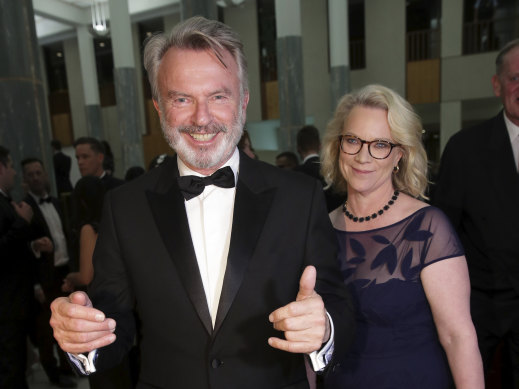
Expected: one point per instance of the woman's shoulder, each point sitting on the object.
(89, 228)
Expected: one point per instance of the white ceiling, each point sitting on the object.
(57, 19)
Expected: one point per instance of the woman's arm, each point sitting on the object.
(87, 242)
(447, 287)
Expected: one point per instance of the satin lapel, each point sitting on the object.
(167, 206)
(251, 207)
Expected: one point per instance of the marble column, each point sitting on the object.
(339, 50)
(125, 80)
(205, 8)
(450, 121)
(450, 111)
(290, 72)
(94, 122)
(24, 118)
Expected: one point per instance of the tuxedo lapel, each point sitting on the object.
(252, 202)
(38, 219)
(169, 212)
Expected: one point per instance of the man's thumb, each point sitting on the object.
(80, 298)
(307, 283)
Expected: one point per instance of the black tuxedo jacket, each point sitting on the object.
(144, 259)
(17, 265)
(311, 167)
(478, 188)
(46, 274)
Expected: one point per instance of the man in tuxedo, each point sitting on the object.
(90, 154)
(209, 247)
(478, 188)
(62, 163)
(16, 281)
(308, 147)
(52, 267)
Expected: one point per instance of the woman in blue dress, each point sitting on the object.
(399, 256)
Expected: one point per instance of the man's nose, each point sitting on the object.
(202, 115)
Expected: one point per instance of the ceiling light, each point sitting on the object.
(99, 24)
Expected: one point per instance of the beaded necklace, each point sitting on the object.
(373, 215)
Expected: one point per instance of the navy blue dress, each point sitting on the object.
(396, 344)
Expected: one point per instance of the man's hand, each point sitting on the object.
(43, 245)
(23, 210)
(303, 321)
(78, 327)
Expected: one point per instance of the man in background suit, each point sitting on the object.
(52, 267)
(62, 163)
(308, 147)
(209, 245)
(90, 154)
(16, 279)
(478, 188)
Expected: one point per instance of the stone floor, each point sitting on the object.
(38, 380)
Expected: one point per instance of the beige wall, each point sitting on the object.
(316, 76)
(244, 20)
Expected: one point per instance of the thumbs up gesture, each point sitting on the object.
(303, 321)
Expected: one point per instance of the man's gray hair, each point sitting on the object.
(504, 51)
(196, 33)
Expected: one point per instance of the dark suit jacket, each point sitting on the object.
(145, 258)
(62, 172)
(478, 188)
(111, 182)
(17, 265)
(311, 167)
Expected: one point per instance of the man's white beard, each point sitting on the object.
(204, 157)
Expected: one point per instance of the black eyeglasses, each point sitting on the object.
(378, 149)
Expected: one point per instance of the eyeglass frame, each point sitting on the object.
(362, 142)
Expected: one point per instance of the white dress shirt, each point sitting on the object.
(513, 132)
(210, 222)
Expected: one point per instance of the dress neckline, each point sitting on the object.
(388, 226)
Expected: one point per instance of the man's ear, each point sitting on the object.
(157, 107)
(496, 85)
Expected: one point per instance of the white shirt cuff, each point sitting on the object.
(320, 359)
(36, 253)
(85, 364)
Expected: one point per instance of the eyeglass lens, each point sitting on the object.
(378, 149)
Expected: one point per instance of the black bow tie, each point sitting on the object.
(192, 186)
(45, 200)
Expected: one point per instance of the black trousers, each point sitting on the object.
(496, 318)
(13, 354)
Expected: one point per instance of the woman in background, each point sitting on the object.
(399, 256)
(87, 203)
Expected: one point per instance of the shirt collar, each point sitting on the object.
(37, 198)
(513, 130)
(233, 163)
(310, 156)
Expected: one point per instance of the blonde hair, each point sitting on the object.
(406, 130)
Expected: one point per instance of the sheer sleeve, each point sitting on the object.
(443, 242)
